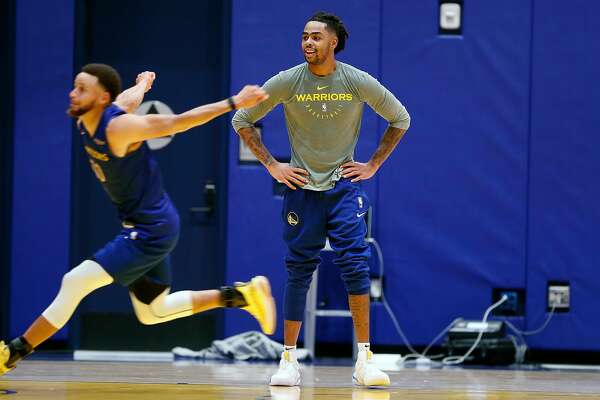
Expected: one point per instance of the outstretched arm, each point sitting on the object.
(130, 99)
(128, 129)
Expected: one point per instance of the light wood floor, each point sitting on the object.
(52, 380)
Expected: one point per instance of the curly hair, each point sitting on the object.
(108, 77)
(335, 25)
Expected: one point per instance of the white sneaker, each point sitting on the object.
(289, 371)
(366, 373)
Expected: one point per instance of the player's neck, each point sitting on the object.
(91, 119)
(327, 68)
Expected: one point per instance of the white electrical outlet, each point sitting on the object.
(559, 296)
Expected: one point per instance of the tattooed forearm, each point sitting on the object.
(390, 139)
(251, 137)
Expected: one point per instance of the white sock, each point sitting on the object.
(364, 346)
(291, 351)
(289, 348)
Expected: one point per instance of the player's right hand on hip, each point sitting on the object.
(250, 96)
(290, 176)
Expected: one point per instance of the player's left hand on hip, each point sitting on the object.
(358, 171)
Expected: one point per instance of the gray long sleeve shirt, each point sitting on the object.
(323, 116)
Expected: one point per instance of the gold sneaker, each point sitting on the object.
(257, 294)
(4, 356)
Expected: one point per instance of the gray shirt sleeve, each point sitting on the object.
(383, 102)
(277, 89)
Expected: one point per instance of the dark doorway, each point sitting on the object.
(186, 44)
(7, 44)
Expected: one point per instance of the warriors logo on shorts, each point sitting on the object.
(292, 218)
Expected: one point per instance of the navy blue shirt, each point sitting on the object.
(133, 182)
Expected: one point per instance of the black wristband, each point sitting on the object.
(231, 103)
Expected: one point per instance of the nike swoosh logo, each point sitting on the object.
(360, 214)
(322, 87)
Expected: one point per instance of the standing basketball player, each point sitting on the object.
(114, 140)
(323, 103)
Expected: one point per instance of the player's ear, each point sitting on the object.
(104, 98)
(334, 43)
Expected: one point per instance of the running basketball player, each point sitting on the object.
(138, 257)
(323, 102)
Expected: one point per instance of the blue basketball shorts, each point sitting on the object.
(142, 250)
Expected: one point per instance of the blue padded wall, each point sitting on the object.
(261, 47)
(42, 157)
(564, 192)
(452, 203)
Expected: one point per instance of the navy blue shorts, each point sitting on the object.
(142, 250)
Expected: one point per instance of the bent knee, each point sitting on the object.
(85, 278)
